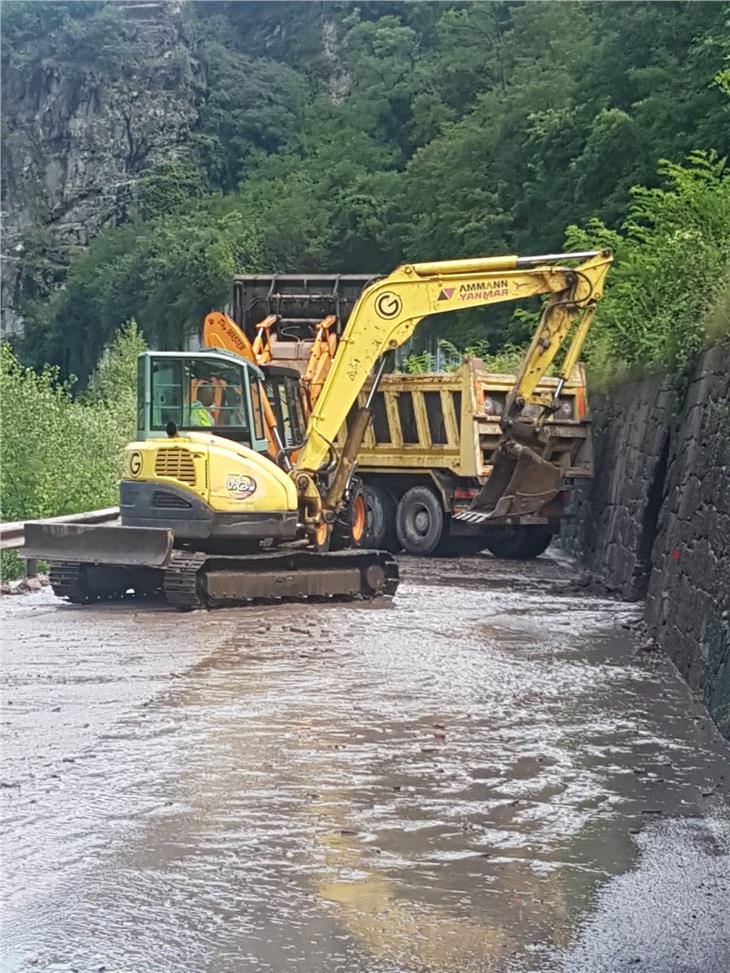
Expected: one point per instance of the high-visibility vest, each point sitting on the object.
(199, 415)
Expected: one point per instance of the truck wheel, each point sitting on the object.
(419, 521)
(379, 518)
(455, 545)
(519, 543)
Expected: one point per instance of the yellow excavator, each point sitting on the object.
(210, 518)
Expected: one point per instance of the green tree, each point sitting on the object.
(251, 104)
(166, 274)
(114, 380)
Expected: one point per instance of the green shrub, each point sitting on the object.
(419, 363)
(62, 455)
(664, 294)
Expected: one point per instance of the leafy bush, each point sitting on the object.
(419, 363)
(672, 266)
(169, 187)
(505, 361)
(63, 455)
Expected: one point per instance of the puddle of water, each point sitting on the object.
(460, 781)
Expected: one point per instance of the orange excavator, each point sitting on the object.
(221, 331)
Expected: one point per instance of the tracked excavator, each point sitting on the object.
(210, 518)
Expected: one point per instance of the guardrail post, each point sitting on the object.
(31, 567)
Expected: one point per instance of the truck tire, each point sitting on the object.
(456, 545)
(419, 521)
(379, 518)
(520, 543)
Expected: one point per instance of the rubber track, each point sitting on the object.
(183, 581)
(65, 578)
(290, 560)
(180, 581)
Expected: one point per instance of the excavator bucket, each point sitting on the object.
(521, 483)
(149, 547)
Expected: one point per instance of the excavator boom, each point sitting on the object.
(390, 310)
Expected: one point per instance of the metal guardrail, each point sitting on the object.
(12, 535)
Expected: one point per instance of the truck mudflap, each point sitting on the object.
(521, 483)
(144, 547)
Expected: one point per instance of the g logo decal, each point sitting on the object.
(388, 305)
(135, 464)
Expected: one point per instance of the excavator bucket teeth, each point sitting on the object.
(93, 544)
(521, 483)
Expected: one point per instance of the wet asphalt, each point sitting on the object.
(488, 774)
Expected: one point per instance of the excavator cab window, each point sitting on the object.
(283, 391)
(205, 392)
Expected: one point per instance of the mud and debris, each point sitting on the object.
(24, 586)
(488, 774)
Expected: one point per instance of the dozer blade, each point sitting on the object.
(521, 483)
(146, 547)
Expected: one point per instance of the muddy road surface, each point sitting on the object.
(488, 774)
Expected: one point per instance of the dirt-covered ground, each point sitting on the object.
(487, 774)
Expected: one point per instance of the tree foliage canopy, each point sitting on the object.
(342, 137)
(672, 268)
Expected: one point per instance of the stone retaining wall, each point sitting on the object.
(655, 521)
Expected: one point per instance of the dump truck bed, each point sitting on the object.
(450, 421)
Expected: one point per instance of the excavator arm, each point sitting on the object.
(389, 311)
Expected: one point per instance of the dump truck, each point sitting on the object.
(431, 446)
(431, 442)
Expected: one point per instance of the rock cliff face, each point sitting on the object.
(81, 126)
(655, 521)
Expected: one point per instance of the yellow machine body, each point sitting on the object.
(228, 476)
(207, 489)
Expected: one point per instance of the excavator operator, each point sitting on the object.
(200, 410)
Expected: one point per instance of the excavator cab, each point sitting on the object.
(284, 392)
(213, 392)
